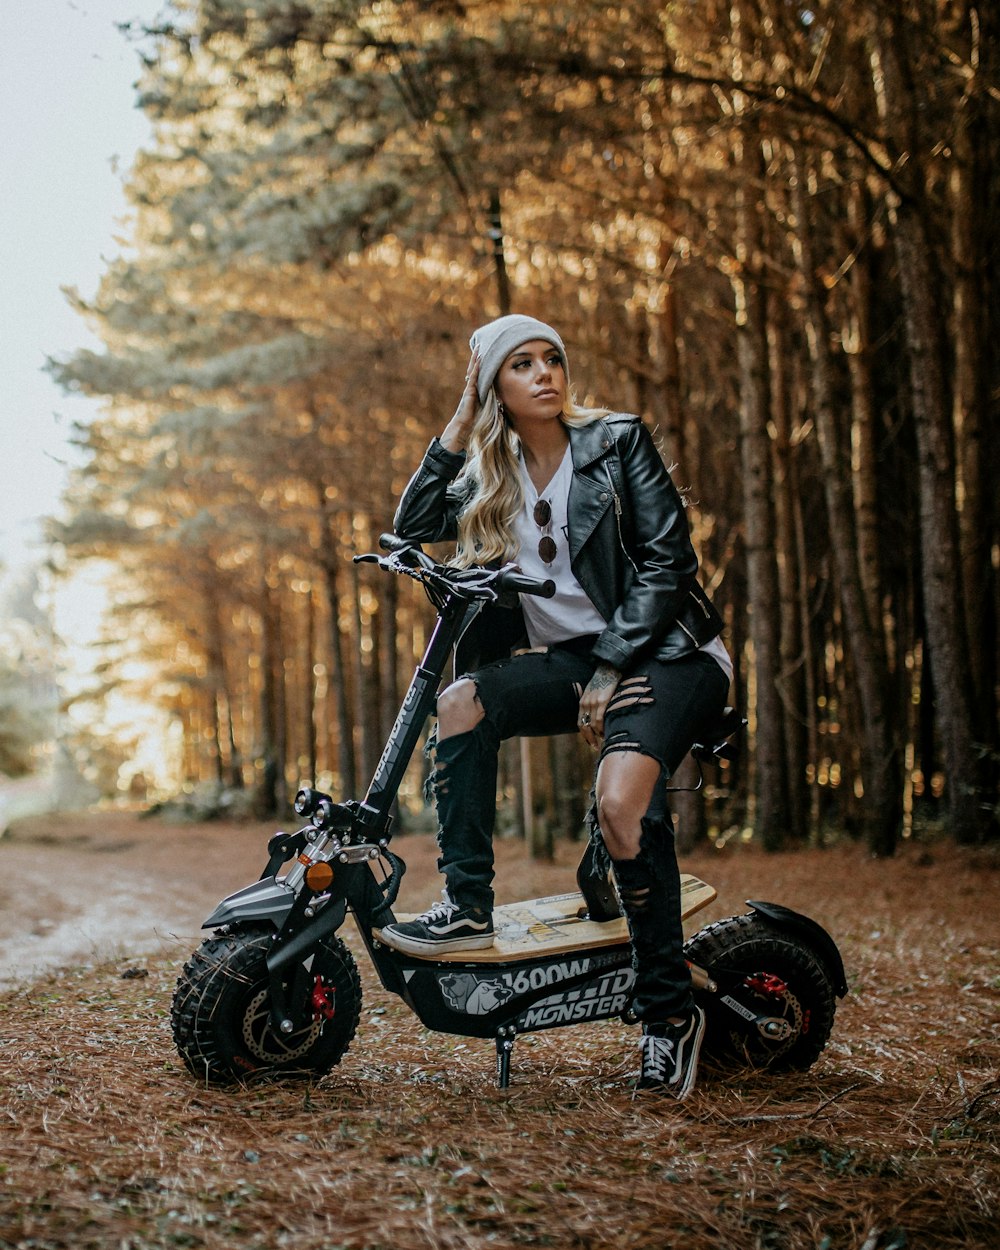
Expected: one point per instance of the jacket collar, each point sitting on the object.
(588, 443)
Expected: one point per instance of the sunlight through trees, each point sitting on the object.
(761, 224)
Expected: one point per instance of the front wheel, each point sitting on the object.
(221, 1010)
(775, 1002)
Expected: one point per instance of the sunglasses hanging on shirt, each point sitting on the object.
(542, 515)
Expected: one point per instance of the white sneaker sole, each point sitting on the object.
(427, 946)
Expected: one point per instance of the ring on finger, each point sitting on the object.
(585, 719)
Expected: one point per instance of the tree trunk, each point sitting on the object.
(808, 653)
(215, 660)
(864, 455)
(568, 785)
(389, 692)
(771, 815)
(665, 395)
(791, 674)
(880, 756)
(309, 686)
(971, 239)
(282, 679)
(932, 415)
(329, 563)
(268, 759)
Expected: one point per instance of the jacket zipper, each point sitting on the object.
(618, 518)
(689, 634)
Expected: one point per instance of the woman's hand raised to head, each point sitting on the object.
(459, 429)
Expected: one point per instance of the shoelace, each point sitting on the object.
(657, 1054)
(439, 911)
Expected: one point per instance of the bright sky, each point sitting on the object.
(68, 132)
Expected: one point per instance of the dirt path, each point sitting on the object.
(94, 885)
(99, 885)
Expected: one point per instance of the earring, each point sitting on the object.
(501, 410)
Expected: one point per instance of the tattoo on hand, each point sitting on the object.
(604, 676)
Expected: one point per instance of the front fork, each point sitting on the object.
(288, 963)
(313, 917)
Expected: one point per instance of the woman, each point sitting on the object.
(627, 652)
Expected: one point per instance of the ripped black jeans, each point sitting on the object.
(659, 709)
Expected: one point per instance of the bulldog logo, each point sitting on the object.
(463, 992)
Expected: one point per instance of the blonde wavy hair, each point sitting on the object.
(492, 480)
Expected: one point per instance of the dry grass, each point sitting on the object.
(892, 1140)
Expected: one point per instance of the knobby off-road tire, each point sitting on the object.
(220, 1011)
(772, 972)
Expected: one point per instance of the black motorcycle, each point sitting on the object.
(274, 991)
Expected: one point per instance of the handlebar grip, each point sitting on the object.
(526, 585)
(411, 551)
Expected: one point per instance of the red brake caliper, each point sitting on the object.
(323, 1000)
(767, 985)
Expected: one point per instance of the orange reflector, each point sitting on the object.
(319, 877)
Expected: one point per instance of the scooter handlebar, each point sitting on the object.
(509, 580)
(392, 542)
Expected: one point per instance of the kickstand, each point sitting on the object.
(505, 1047)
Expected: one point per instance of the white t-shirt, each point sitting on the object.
(570, 613)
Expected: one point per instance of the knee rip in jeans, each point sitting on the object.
(633, 692)
(436, 783)
(623, 741)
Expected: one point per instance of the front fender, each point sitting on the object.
(269, 900)
(825, 946)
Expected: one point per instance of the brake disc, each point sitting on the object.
(259, 1035)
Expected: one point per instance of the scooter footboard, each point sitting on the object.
(480, 1000)
(550, 965)
(559, 924)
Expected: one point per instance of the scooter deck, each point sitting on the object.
(552, 926)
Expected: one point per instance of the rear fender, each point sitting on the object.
(823, 944)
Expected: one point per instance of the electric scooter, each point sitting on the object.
(275, 991)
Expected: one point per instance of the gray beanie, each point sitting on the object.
(497, 339)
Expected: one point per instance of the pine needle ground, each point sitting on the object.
(891, 1140)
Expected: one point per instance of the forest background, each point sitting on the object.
(763, 225)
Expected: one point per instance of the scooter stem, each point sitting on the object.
(417, 705)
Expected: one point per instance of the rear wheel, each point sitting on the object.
(221, 1010)
(775, 1002)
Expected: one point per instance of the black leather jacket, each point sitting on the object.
(630, 547)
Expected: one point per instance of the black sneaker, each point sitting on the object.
(443, 927)
(670, 1055)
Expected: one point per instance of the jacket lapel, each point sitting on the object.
(589, 498)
